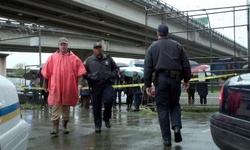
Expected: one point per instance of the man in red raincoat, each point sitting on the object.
(63, 72)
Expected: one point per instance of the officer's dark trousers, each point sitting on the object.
(168, 107)
(103, 91)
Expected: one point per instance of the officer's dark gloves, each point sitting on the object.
(107, 76)
(96, 76)
(93, 76)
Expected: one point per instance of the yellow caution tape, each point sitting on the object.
(213, 77)
(128, 85)
(136, 85)
(30, 88)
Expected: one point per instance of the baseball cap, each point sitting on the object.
(162, 29)
(62, 40)
(97, 45)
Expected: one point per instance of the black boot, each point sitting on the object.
(107, 124)
(167, 142)
(98, 130)
(177, 134)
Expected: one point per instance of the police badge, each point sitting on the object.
(106, 62)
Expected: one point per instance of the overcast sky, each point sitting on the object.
(33, 58)
(203, 4)
(219, 19)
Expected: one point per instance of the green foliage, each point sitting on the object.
(19, 69)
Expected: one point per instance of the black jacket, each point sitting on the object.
(136, 80)
(166, 54)
(100, 69)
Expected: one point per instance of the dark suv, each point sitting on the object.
(230, 127)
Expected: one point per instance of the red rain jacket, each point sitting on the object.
(62, 72)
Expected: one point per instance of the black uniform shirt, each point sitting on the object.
(166, 54)
(101, 66)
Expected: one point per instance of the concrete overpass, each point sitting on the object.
(19, 40)
(122, 25)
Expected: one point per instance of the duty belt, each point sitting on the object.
(163, 72)
(167, 72)
(175, 74)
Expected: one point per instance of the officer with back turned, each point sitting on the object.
(167, 59)
(101, 70)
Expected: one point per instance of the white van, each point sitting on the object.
(14, 130)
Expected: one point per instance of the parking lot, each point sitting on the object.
(130, 130)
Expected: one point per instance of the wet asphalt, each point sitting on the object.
(129, 131)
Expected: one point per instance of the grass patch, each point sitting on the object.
(148, 112)
(29, 106)
(196, 113)
(215, 89)
(209, 109)
(200, 109)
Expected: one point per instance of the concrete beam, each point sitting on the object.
(80, 45)
(136, 15)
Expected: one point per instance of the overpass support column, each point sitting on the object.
(3, 64)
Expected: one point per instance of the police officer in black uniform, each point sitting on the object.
(101, 70)
(167, 59)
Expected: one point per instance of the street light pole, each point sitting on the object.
(248, 33)
(40, 47)
(210, 45)
(210, 37)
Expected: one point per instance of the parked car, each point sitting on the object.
(230, 127)
(14, 130)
